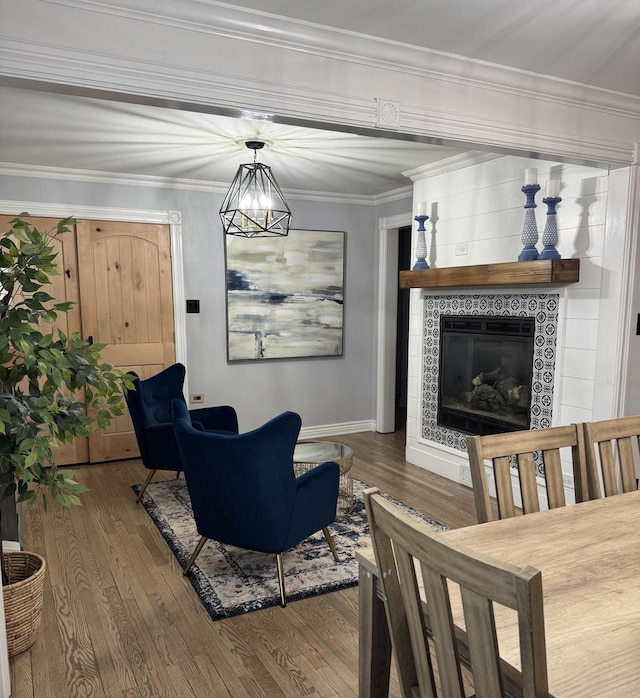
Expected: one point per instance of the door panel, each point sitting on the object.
(62, 287)
(142, 354)
(127, 303)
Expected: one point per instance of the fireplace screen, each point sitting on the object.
(485, 373)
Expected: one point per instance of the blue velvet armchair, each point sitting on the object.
(150, 409)
(244, 491)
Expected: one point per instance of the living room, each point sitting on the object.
(584, 134)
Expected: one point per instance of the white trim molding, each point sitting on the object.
(387, 320)
(323, 430)
(11, 169)
(455, 162)
(629, 281)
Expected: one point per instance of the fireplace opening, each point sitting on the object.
(485, 373)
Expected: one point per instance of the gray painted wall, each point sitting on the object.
(324, 391)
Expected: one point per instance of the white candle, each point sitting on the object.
(531, 176)
(421, 209)
(553, 188)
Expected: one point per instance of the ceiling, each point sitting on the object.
(587, 41)
(57, 130)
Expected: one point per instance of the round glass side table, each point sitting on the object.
(310, 454)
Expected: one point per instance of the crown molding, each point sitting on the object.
(11, 169)
(131, 215)
(593, 152)
(450, 164)
(394, 195)
(87, 73)
(74, 71)
(298, 35)
(155, 182)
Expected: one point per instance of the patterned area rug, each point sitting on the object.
(231, 580)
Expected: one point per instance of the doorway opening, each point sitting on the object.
(402, 331)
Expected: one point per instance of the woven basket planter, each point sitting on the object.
(23, 596)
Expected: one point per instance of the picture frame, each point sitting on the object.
(285, 296)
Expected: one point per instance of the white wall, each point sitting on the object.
(482, 207)
(335, 394)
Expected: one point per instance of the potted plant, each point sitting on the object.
(53, 388)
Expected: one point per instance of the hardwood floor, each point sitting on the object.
(121, 621)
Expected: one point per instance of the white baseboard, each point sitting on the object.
(323, 430)
(440, 460)
(10, 546)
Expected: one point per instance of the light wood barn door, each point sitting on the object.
(127, 303)
(63, 287)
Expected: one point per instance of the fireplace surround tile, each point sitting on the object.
(541, 306)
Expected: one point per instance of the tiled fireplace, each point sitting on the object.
(537, 309)
(581, 353)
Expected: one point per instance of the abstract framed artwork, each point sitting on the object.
(285, 295)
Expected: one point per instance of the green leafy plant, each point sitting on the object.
(53, 387)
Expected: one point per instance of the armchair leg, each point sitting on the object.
(283, 601)
(332, 545)
(177, 474)
(194, 554)
(145, 484)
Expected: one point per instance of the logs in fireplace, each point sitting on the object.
(485, 373)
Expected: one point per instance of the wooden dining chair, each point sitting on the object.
(412, 559)
(611, 457)
(519, 448)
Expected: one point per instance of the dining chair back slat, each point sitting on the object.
(429, 648)
(449, 665)
(627, 465)
(516, 451)
(528, 483)
(483, 643)
(502, 475)
(553, 478)
(610, 455)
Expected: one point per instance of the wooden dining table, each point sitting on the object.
(589, 556)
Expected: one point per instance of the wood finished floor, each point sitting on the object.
(121, 621)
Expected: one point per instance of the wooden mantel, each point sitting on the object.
(542, 271)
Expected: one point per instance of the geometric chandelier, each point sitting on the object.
(254, 205)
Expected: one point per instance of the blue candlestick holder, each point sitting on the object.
(529, 235)
(550, 233)
(421, 245)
